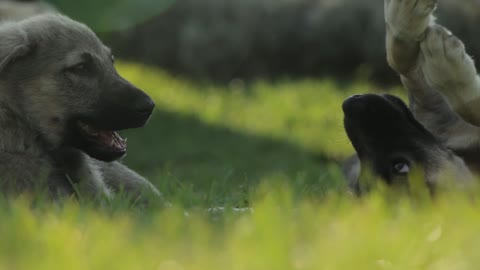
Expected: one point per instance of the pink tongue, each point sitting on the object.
(112, 139)
(105, 136)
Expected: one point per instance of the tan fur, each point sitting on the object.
(440, 77)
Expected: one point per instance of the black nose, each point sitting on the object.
(144, 106)
(354, 104)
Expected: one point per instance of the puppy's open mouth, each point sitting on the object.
(106, 145)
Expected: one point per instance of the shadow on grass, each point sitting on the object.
(200, 164)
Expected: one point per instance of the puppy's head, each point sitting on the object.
(390, 142)
(65, 83)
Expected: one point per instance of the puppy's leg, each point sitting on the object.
(406, 23)
(121, 178)
(450, 70)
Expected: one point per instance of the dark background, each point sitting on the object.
(221, 40)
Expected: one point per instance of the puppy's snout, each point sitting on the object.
(353, 105)
(144, 106)
(122, 106)
(140, 104)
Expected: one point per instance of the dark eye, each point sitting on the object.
(78, 68)
(401, 167)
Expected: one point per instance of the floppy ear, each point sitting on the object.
(13, 44)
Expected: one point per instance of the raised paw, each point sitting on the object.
(446, 65)
(409, 19)
(441, 45)
(448, 68)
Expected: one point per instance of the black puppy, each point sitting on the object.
(391, 143)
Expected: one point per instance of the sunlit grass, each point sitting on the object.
(306, 113)
(217, 142)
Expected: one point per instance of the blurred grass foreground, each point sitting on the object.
(278, 234)
(273, 148)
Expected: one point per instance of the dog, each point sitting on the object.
(61, 103)
(390, 143)
(443, 90)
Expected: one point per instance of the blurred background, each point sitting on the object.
(246, 90)
(223, 40)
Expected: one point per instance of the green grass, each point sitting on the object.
(274, 147)
(211, 145)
